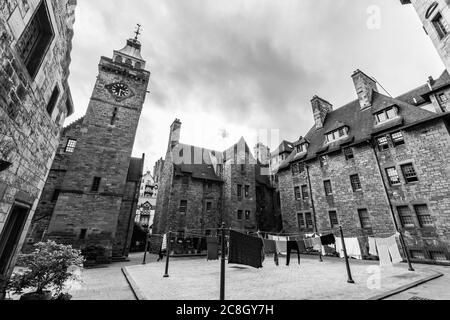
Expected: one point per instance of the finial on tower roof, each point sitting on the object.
(138, 31)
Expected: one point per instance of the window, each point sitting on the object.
(406, 217)
(239, 191)
(383, 143)
(355, 182)
(309, 221)
(417, 254)
(328, 188)
(219, 169)
(301, 167)
(295, 169)
(323, 161)
(334, 219)
(53, 99)
(240, 214)
(137, 65)
(423, 215)
(440, 25)
(129, 62)
(119, 59)
(393, 176)
(243, 169)
(387, 114)
(348, 153)
(96, 184)
(397, 139)
(247, 214)
(305, 193)
(301, 148)
(437, 255)
(297, 193)
(70, 146)
(185, 180)
(183, 206)
(337, 134)
(56, 195)
(208, 206)
(83, 233)
(247, 192)
(443, 97)
(114, 116)
(35, 40)
(364, 218)
(409, 173)
(301, 221)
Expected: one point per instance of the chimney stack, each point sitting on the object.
(365, 86)
(175, 132)
(320, 109)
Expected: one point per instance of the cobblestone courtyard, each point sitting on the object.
(198, 279)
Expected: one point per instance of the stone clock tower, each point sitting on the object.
(94, 206)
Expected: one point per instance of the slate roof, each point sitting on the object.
(285, 146)
(361, 123)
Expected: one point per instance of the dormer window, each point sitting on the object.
(387, 114)
(302, 148)
(337, 134)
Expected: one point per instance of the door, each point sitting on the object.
(10, 236)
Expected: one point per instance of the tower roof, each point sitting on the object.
(132, 49)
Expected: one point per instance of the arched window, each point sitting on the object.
(137, 65)
(128, 61)
(119, 59)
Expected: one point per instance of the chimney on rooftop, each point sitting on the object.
(175, 133)
(365, 86)
(320, 108)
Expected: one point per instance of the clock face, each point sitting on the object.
(120, 90)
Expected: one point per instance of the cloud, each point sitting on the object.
(241, 65)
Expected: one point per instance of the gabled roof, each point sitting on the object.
(361, 125)
(284, 147)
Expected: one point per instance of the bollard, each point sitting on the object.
(349, 273)
(166, 275)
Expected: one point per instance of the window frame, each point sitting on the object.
(391, 182)
(323, 161)
(395, 140)
(297, 193)
(248, 214)
(183, 208)
(348, 153)
(352, 181)
(328, 187)
(409, 177)
(406, 215)
(439, 25)
(421, 215)
(305, 192)
(364, 219)
(96, 184)
(240, 215)
(71, 144)
(332, 215)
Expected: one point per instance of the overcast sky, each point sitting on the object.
(228, 69)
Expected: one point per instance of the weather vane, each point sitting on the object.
(138, 31)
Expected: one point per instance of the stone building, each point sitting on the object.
(91, 195)
(435, 17)
(200, 188)
(372, 165)
(147, 201)
(35, 47)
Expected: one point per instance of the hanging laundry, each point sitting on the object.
(352, 246)
(393, 250)
(292, 245)
(373, 247)
(270, 247)
(245, 250)
(328, 239)
(301, 246)
(213, 248)
(328, 250)
(383, 252)
(316, 244)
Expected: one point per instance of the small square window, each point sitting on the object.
(70, 146)
(183, 207)
(355, 182)
(348, 152)
(397, 139)
(383, 143)
(409, 173)
(391, 113)
(334, 219)
(328, 188)
(393, 176)
(323, 161)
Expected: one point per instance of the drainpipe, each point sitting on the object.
(316, 230)
(391, 208)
